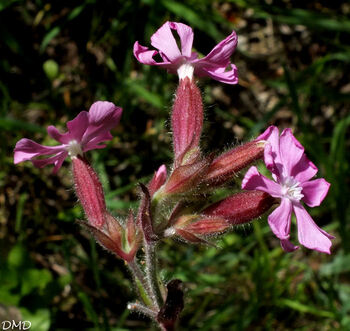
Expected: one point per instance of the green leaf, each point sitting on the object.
(304, 17)
(17, 256)
(40, 319)
(89, 309)
(48, 37)
(11, 124)
(6, 3)
(35, 279)
(339, 265)
(296, 305)
(193, 17)
(339, 139)
(75, 12)
(138, 89)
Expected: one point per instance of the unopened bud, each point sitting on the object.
(201, 225)
(124, 242)
(186, 177)
(89, 191)
(144, 218)
(227, 164)
(186, 119)
(195, 228)
(241, 207)
(158, 180)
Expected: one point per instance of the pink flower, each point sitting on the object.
(291, 170)
(184, 61)
(85, 132)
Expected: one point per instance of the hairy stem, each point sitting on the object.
(141, 283)
(135, 306)
(151, 274)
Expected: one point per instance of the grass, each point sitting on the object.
(57, 58)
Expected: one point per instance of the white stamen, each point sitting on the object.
(291, 189)
(74, 148)
(185, 70)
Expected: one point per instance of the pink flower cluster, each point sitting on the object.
(284, 156)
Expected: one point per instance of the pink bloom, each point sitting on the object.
(85, 132)
(291, 170)
(184, 61)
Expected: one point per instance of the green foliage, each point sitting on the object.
(56, 59)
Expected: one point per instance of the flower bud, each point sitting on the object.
(186, 120)
(186, 177)
(158, 180)
(193, 228)
(201, 225)
(144, 218)
(227, 164)
(124, 242)
(89, 191)
(241, 207)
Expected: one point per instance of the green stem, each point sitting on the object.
(141, 283)
(151, 275)
(142, 309)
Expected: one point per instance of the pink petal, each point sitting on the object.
(220, 74)
(304, 170)
(63, 138)
(271, 134)
(145, 56)
(272, 156)
(164, 41)
(219, 56)
(253, 180)
(27, 149)
(315, 191)
(280, 219)
(186, 37)
(291, 151)
(272, 162)
(309, 234)
(288, 246)
(103, 116)
(57, 160)
(78, 126)
(76, 129)
(101, 112)
(95, 141)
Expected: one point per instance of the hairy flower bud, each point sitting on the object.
(185, 178)
(231, 162)
(158, 180)
(89, 191)
(193, 228)
(202, 225)
(186, 121)
(144, 218)
(241, 207)
(120, 240)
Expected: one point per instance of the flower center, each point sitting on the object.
(74, 148)
(291, 189)
(185, 70)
